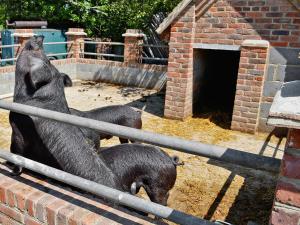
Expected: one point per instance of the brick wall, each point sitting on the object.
(229, 23)
(232, 21)
(249, 88)
(286, 208)
(33, 201)
(178, 103)
(76, 35)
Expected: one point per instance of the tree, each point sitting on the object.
(105, 18)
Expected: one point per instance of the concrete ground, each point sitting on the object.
(204, 187)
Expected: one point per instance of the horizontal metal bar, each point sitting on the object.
(158, 59)
(103, 42)
(58, 43)
(9, 46)
(57, 54)
(8, 60)
(102, 54)
(155, 46)
(105, 192)
(192, 147)
(4, 96)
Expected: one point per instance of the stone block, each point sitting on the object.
(270, 74)
(264, 109)
(270, 88)
(292, 73)
(284, 56)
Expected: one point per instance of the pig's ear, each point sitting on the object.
(39, 72)
(67, 80)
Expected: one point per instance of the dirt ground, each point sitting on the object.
(204, 187)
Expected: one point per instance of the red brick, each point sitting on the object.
(52, 209)
(30, 221)
(6, 183)
(281, 216)
(93, 218)
(5, 220)
(64, 213)
(21, 192)
(288, 193)
(12, 213)
(294, 45)
(75, 218)
(31, 201)
(291, 166)
(279, 44)
(294, 139)
(40, 212)
(10, 197)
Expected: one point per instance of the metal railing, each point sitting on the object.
(87, 185)
(52, 55)
(192, 147)
(154, 54)
(58, 43)
(105, 49)
(13, 59)
(9, 46)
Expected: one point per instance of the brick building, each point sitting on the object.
(232, 55)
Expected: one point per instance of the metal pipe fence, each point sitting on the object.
(103, 50)
(8, 60)
(90, 186)
(105, 192)
(58, 54)
(9, 46)
(58, 43)
(104, 42)
(154, 54)
(101, 54)
(46, 43)
(192, 147)
(13, 59)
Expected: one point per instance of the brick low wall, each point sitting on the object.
(140, 75)
(7, 74)
(33, 201)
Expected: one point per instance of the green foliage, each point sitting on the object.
(105, 18)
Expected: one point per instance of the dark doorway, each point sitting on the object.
(215, 77)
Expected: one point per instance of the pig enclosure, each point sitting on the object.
(205, 188)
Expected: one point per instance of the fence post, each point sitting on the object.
(22, 35)
(76, 35)
(133, 38)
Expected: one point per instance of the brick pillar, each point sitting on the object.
(250, 80)
(179, 93)
(286, 207)
(132, 51)
(76, 35)
(21, 36)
